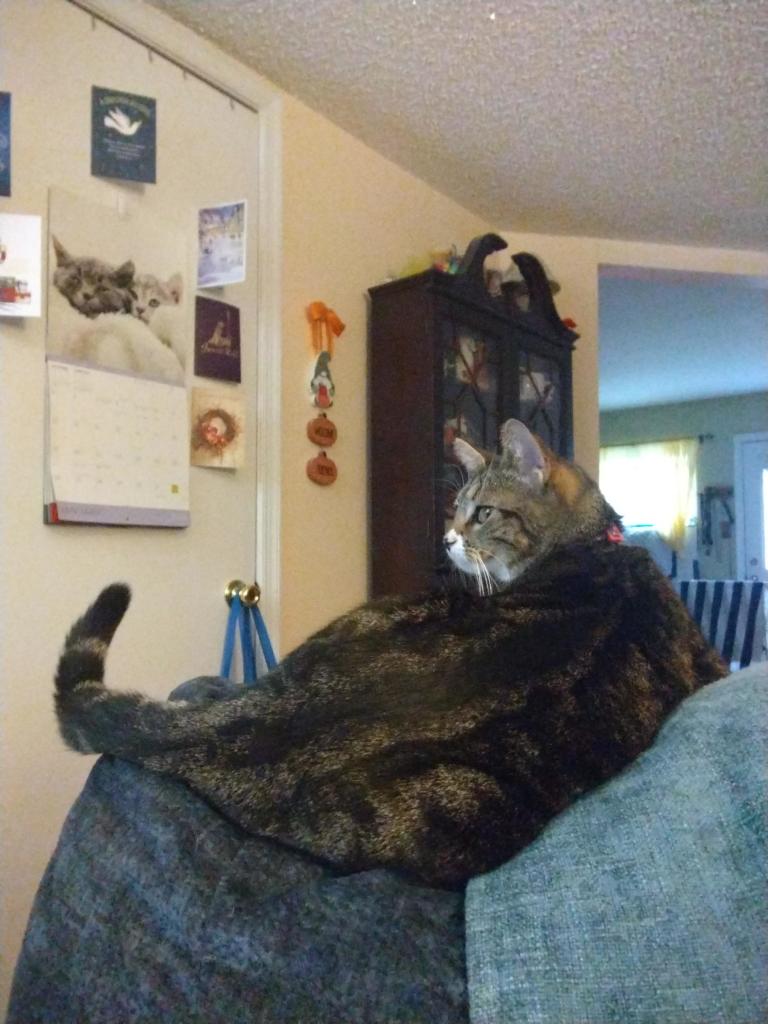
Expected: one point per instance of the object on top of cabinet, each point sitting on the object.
(448, 359)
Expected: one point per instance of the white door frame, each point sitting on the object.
(167, 38)
(739, 440)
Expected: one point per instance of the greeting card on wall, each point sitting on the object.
(217, 339)
(20, 257)
(218, 422)
(116, 449)
(123, 135)
(221, 244)
(5, 143)
(115, 290)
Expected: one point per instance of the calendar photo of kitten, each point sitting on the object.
(116, 290)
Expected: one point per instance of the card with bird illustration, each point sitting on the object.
(123, 135)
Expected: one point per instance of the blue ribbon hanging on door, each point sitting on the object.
(240, 621)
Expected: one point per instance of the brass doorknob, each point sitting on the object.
(249, 593)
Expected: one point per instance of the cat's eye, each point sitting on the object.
(154, 302)
(482, 512)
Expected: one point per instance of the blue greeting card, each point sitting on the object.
(5, 143)
(123, 135)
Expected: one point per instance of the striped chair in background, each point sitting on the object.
(731, 615)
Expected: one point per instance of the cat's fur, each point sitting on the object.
(92, 286)
(150, 293)
(436, 735)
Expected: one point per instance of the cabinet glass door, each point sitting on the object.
(471, 382)
(540, 397)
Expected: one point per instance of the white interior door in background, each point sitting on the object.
(208, 153)
(751, 492)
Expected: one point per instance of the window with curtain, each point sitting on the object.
(653, 485)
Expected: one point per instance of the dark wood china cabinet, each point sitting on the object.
(448, 359)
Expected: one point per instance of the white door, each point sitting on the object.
(207, 154)
(751, 473)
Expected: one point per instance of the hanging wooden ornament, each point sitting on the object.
(322, 470)
(321, 385)
(322, 431)
(326, 326)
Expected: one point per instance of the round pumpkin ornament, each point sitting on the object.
(321, 431)
(322, 470)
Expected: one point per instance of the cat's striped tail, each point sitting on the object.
(96, 720)
(80, 672)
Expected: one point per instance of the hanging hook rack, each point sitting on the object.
(97, 15)
(249, 593)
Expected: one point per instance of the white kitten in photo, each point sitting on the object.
(151, 293)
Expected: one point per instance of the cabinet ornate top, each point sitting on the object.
(468, 287)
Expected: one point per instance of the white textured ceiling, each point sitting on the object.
(635, 119)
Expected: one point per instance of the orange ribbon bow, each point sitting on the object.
(326, 325)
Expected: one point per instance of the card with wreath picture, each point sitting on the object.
(217, 437)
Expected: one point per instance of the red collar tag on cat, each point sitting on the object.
(613, 534)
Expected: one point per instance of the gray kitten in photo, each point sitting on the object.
(92, 286)
(150, 293)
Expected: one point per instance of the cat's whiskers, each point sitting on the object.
(482, 573)
(477, 565)
(490, 580)
(478, 562)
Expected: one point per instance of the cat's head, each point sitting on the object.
(151, 292)
(517, 506)
(92, 286)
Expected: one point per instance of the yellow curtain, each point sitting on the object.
(653, 484)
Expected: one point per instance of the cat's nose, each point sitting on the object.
(87, 296)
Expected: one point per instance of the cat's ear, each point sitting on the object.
(526, 454)
(471, 459)
(63, 258)
(125, 273)
(174, 285)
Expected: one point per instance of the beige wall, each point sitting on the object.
(576, 263)
(50, 55)
(350, 217)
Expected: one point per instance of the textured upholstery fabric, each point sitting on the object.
(156, 910)
(645, 902)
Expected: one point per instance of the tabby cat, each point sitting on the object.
(92, 286)
(434, 735)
